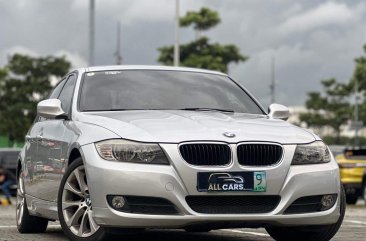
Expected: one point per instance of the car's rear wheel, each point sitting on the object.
(25, 222)
(75, 208)
(306, 233)
(351, 198)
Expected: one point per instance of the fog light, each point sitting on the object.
(328, 201)
(118, 202)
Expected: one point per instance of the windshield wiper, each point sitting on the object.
(208, 109)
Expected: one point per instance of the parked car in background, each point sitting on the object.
(352, 166)
(337, 149)
(9, 159)
(137, 147)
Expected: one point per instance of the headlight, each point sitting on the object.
(129, 151)
(314, 153)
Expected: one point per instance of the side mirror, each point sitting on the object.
(51, 109)
(277, 111)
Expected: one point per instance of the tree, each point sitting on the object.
(359, 76)
(330, 108)
(201, 20)
(200, 53)
(24, 81)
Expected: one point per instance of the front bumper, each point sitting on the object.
(178, 180)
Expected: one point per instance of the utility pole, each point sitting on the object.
(273, 79)
(176, 44)
(118, 49)
(357, 124)
(91, 31)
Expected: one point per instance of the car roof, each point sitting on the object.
(150, 67)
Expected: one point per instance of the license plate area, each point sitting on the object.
(231, 181)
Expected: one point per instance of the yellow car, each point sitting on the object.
(352, 166)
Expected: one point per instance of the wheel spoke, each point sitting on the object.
(20, 202)
(76, 204)
(83, 227)
(93, 225)
(73, 189)
(80, 177)
(68, 204)
(20, 212)
(75, 217)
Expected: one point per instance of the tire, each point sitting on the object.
(351, 199)
(197, 230)
(27, 223)
(307, 233)
(75, 207)
(364, 191)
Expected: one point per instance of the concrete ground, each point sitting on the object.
(353, 229)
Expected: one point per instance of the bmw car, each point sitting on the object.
(143, 147)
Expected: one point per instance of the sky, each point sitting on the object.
(310, 40)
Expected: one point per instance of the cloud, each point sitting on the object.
(326, 14)
(311, 39)
(75, 59)
(17, 49)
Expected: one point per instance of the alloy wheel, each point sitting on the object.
(77, 206)
(20, 199)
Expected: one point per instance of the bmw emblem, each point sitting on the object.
(229, 134)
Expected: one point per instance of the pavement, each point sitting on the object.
(353, 229)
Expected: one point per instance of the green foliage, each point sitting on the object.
(330, 108)
(201, 20)
(343, 140)
(359, 76)
(200, 53)
(24, 81)
(359, 73)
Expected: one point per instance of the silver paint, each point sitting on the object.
(49, 142)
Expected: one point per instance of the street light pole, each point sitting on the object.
(273, 79)
(118, 47)
(356, 114)
(91, 31)
(176, 45)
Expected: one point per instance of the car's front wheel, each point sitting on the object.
(75, 207)
(306, 233)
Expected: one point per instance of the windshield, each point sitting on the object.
(159, 89)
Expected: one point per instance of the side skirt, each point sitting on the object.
(42, 208)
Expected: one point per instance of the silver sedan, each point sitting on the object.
(136, 147)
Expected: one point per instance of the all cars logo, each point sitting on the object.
(225, 182)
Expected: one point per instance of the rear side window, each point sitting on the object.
(66, 94)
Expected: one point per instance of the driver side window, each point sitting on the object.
(67, 93)
(57, 90)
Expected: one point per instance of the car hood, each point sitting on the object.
(175, 126)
